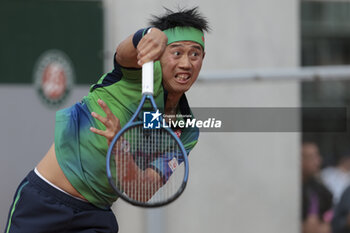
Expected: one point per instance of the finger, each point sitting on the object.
(102, 119)
(141, 45)
(151, 54)
(150, 50)
(141, 55)
(155, 36)
(147, 48)
(105, 108)
(146, 52)
(98, 131)
(145, 41)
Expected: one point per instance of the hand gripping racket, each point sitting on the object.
(147, 164)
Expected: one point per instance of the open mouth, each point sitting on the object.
(183, 77)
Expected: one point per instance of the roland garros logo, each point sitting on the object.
(53, 77)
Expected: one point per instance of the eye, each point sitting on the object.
(195, 54)
(176, 53)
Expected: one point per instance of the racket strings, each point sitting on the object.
(146, 161)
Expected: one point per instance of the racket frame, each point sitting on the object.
(147, 95)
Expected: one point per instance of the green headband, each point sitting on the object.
(185, 34)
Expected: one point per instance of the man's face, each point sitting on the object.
(181, 63)
(311, 159)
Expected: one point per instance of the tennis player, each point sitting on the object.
(68, 191)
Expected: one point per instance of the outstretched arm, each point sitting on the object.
(149, 48)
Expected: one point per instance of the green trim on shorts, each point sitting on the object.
(14, 205)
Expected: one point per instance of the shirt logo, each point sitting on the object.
(178, 133)
(151, 120)
(173, 164)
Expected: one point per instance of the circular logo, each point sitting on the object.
(53, 77)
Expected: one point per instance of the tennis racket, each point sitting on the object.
(147, 166)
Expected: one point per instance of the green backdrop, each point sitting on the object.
(30, 27)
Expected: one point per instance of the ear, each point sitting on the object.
(203, 55)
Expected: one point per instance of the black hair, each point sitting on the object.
(182, 18)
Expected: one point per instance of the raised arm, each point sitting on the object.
(150, 47)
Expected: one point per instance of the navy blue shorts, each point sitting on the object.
(38, 207)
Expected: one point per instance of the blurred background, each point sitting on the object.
(272, 53)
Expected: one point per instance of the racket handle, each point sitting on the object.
(147, 78)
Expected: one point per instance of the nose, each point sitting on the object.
(185, 62)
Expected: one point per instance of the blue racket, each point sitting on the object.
(147, 167)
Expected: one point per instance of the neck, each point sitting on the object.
(305, 177)
(172, 102)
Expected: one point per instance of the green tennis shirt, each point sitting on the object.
(81, 153)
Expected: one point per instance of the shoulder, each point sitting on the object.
(328, 173)
(117, 74)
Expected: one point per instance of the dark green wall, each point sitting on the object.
(28, 28)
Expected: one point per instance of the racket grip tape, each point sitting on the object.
(147, 78)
